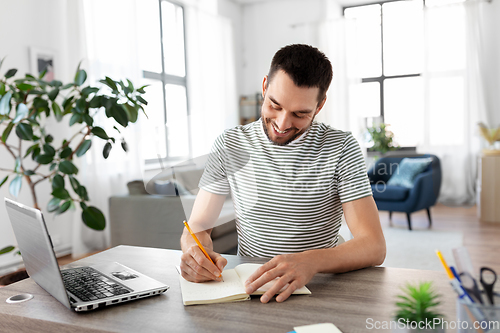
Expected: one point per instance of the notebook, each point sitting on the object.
(231, 290)
(81, 288)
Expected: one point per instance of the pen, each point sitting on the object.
(462, 294)
(200, 246)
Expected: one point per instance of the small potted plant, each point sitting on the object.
(383, 139)
(417, 309)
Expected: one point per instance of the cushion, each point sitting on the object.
(385, 192)
(136, 187)
(170, 188)
(407, 170)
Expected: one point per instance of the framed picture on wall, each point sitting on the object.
(42, 59)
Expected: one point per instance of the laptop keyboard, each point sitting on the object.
(89, 285)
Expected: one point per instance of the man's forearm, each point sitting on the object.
(354, 254)
(203, 236)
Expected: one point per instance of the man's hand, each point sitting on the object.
(291, 270)
(195, 266)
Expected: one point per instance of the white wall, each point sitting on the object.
(268, 26)
(52, 25)
(491, 70)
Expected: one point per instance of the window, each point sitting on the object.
(162, 59)
(390, 45)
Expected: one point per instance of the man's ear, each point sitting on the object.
(320, 106)
(264, 86)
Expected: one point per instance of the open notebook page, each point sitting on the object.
(213, 291)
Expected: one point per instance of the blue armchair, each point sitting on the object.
(422, 195)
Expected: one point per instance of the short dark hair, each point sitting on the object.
(306, 65)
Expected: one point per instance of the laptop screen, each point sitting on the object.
(36, 249)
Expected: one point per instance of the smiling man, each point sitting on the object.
(291, 180)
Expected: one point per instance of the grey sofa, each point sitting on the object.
(152, 216)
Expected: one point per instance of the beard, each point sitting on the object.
(267, 123)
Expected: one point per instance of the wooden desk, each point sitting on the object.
(347, 300)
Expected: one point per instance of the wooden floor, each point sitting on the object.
(482, 239)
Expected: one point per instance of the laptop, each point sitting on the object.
(82, 288)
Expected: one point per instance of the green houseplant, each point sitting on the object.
(382, 138)
(25, 106)
(416, 309)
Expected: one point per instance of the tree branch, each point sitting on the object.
(44, 177)
(73, 137)
(81, 142)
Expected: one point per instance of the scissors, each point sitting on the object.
(488, 277)
(470, 286)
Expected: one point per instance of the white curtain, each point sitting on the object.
(455, 95)
(212, 96)
(111, 37)
(113, 50)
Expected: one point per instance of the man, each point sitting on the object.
(290, 179)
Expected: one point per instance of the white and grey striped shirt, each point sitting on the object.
(289, 198)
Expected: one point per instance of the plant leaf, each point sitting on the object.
(65, 152)
(80, 77)
(44, 159)
(7, 249)
(74, 183)
(7, 131)
(24, 131)
(68, 168)
(83, 148)
(106, 149)
(110, 83)
(124, 146)
(48, 149)
(82, 193)
(64, 207)
(17, 165)
(60, 193)
(53, 94)
(75, 118)
(22, 112)
(57, 111)
(10, 73)
(15, 185)
(99, 132)
(5, 103)
(24, 86)
(53, 204)
(132, 112)
(88, 119)
(142, 100)
(57, 182)
(120, 115)
(93, 218)
(4, 180)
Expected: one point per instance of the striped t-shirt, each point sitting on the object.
(288, 198)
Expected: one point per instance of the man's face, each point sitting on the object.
(287, 110)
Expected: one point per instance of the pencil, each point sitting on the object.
(200, 246)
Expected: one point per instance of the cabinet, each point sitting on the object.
(489, 190)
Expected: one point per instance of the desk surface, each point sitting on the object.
(347, 300)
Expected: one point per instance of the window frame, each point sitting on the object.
(381, 79)
(165, 79)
